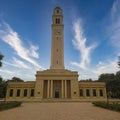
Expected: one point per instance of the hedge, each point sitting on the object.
(112, 106)
(8, 105)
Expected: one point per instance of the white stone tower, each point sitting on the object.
(57, 49)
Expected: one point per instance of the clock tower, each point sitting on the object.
(57, 49)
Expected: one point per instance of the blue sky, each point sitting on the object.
(91, 36)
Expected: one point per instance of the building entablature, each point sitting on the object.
(92, 84)
(21, 84)
(57, 71)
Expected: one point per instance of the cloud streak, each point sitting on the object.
(18, 63)
(12, 38)
(80, 44)
(106, 67)
(114, 28)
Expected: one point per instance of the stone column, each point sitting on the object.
(97, 90)
(28, 94)
(65, 88)
(8, 93)
(62, 90)
(48, 89)
(14, 92)
(21, 93)
(51, 88)
(104, 92)
(91, 92)
(84, 92)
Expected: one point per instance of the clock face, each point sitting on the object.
(57, 32)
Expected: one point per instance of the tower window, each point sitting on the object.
(57, 11)
(57, 21)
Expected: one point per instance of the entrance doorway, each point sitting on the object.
(57, 93)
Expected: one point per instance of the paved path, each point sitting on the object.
(58, 111)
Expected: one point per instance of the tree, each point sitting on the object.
(1, 57)
(119, 61)
(117, 76)
(2, 82)
(16, 79)
(106, 77)
(3, 86)
(112, 84)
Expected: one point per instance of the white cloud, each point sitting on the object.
(18, 63)
(102, 67)
(12, 38)
(88, 71)
(33, 50)
(8, 74)
(106, 67)
(114, 27)
(80, 44)
(7, 71)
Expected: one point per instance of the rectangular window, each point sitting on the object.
(18, 92)
(94, 92)
(57, 21)
(11, 92)
(32, 93)
(81, 92)
(101, 92)
(25, 92)
(87, 92)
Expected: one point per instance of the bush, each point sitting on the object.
(8, 105)
(112, 106)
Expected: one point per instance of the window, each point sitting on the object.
(101, 92)
(87, 92)
(57, 61)
(57, 21)
(11, 92)
(32, 93)
(57, 50)
(94, 92)
(57, 11)
(18, 92)
(81, 92)
(25, 92)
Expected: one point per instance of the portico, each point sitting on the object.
(57, 89)
(57, 83)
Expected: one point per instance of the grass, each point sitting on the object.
(9, 105)
(112, 106)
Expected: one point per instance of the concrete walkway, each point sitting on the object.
(58, 111)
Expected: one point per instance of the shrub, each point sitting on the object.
(8, 105)
(112, 106)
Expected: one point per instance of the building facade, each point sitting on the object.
(56, 83)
